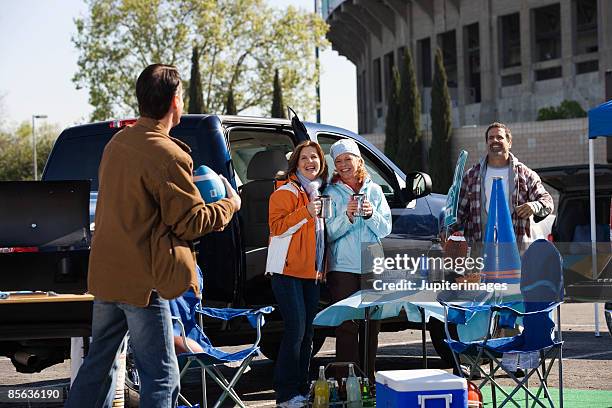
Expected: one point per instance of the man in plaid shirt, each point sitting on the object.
(522, 186)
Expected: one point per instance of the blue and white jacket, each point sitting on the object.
(344, 239)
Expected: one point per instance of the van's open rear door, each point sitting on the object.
(44, 236)
(44, 253)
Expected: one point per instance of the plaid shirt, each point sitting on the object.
(526, 187)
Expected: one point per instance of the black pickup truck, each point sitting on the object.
(249, 152)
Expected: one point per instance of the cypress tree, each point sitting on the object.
(440, 166)
(278, 110)
(392, 120)
(196, 98)
(409, 156)
(230, 104)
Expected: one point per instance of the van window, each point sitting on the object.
(77, 158)
(375, 171)
(245, 143)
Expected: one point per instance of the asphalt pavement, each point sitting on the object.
(587, 363)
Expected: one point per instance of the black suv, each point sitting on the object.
(571, 231)
(249, 152)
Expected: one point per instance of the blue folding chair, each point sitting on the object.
(187, 313)
(542, 293)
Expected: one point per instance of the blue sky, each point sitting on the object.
(39, 60)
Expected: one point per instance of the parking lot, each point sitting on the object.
(587, 362)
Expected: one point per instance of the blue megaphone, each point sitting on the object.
(502, 261)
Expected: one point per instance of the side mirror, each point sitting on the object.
(418, 184)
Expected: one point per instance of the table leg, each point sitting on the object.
(423, 336)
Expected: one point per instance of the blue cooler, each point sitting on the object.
(420, 389)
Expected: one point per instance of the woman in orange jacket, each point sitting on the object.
(295, 260)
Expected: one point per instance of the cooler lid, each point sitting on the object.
(420, 380)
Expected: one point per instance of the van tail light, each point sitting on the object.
(118, 124)
(550, 238)
(11, 250)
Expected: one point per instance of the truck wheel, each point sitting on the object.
(270, 348)
(438, 335)
(132, 380)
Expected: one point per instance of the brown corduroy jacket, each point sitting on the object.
(147, 213)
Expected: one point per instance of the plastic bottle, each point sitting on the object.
(353, 390)
(321, 391)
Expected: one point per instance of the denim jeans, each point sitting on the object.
(152, 343)
(297, 300)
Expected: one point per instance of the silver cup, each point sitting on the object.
(326, 206)
(360, 198)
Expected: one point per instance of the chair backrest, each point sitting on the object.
(184, 307)
(542, 273)
(255, 194)
(541, 285)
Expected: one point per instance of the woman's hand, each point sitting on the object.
(314, 208)
(368, 210)
(351, 209)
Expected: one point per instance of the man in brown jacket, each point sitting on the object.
(147, 213)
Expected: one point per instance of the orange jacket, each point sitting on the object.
(290, 220)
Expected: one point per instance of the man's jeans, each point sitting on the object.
(297, 300)
(152, 344)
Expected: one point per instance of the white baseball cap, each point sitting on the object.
(344, 146)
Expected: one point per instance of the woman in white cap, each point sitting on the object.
(353, 226)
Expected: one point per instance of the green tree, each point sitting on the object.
(196, 99)
(239, 42)
(278, 106)
(566, 110)
(392, 120)
(230, 104)
(409, 146)
(16, 150)
(440, 166)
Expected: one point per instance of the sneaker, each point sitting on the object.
(296, 402)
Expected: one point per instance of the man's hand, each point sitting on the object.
(314, 208)
(524, 211)
(231, 194)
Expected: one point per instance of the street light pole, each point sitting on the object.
(318, 67)
(34, 117)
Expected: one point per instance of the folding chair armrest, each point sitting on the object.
(548, 309)
(229, 313)
(464, 315)
(183, 335)
(463, 312)
(254, 316)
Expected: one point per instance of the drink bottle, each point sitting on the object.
(321, 391)
(366, 397)
(353, 391)
(334, 398)
(342, 390)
